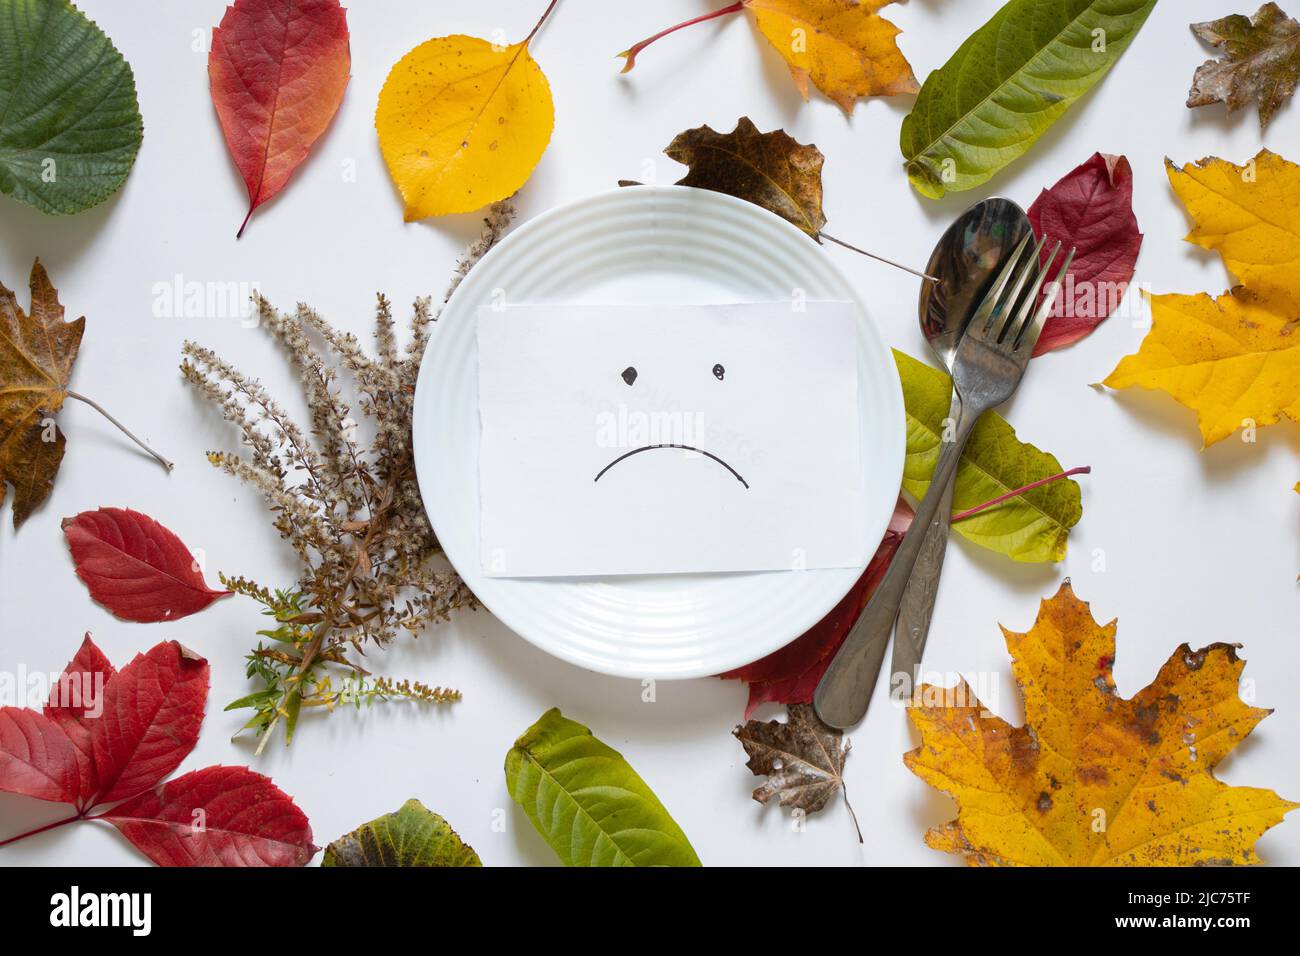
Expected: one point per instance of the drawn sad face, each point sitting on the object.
(629, 376)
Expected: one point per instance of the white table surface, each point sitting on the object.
(1197, 546)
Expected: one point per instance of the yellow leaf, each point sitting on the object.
(462, 123)
(1094, 779)
(841, 45)
(1251, 215)
(1234, 360)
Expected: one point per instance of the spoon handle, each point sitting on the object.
(922, 589)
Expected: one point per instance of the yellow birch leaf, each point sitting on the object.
(843, 46)
(1234, 360)
(1092, 778)
(462, 123)
(1250, 215)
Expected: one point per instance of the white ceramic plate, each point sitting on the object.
(644, 244)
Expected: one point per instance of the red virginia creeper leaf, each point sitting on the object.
(1092, 210)
(36, 757)
(76, 700)
(278, 69)
(152, 712)
(790, 675)
(218, 816)
(135, 567)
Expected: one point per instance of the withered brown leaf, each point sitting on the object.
(37, 352)
(771, 170)
(803, 759)
(1261, 62)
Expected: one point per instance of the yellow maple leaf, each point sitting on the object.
(1234, 360)
(463, 122)
(843, 46)
(1094, 779)
(1250, 215)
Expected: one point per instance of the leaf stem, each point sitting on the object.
(1085, 470)
(549, 8)
(125, 431)
(630, 53)
(872, 255)
(49, 826)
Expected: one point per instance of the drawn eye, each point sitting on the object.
(629, 375)
(719, 372)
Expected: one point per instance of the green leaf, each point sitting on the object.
(1010, 81)
(1031, 527)
(70, 123)
(413, 836)
(587, 802)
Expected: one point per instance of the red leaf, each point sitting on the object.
(36, 757)
(790, 675)
(219, 816)
(76, 700)
(152, 712)
(1091, 209)
(135, 567)
(278, 69)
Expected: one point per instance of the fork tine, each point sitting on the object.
(1024, 307)
(1013, 312)
(983, 316)
(1029, 333)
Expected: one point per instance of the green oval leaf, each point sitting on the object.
(70, 123)
(413, 836)
(587, 802)
(1010, 81)
(1032, 527)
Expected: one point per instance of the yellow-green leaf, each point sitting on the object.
(1032, 527)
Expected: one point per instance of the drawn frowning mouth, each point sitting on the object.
(706, 454)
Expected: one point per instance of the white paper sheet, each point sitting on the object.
(573, 480)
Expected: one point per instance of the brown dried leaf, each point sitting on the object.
(803, 759)
(771, 170)
(37, 351)
(1261, 62)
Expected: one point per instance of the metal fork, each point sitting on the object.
(988, 367)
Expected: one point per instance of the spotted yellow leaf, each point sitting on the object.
(1234, 360)
(462, 123)
(1094, 778)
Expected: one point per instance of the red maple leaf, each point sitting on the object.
(108, 737)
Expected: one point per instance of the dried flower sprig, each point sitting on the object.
(350, 510)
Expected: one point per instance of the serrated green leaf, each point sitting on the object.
(70, 123)
(1010, 81)
(587, 802)
(413, 836)
(1032, 527)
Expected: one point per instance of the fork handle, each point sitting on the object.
(845, 689)
(922, 590)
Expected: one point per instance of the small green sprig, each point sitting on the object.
(330, 679)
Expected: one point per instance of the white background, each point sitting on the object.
(1198, 546)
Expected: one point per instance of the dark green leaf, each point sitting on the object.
(413, 836)
(70, 124)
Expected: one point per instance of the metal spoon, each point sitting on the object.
(965, 262)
